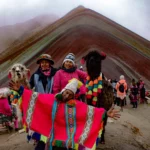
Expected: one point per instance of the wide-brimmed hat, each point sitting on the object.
(45, 57)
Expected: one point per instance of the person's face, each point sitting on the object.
(67, 95)
(68, 64)
(45, 64)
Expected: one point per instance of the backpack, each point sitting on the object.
(121, 87)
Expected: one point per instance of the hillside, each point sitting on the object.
(13, 34)
(79, 31)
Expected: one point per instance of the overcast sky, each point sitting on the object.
(132, 14)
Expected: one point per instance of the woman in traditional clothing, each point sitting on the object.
(61, 117)
(42, 81)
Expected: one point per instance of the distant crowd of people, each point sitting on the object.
(136, 92)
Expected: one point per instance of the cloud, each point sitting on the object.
(133, 14)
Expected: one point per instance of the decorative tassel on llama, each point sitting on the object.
(93, 89)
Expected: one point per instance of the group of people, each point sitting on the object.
(48, 79)
(55, 91)
(136, 91)
(60, 89)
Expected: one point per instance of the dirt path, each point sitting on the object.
(130, 132)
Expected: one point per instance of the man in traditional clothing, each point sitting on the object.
(61, 117)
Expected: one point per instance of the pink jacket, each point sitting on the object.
(119, 94)
(61, 79)
(4, 107)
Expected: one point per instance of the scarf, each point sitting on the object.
(46, 72)
(73, 69)
(44, 75)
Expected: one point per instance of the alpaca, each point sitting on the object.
(18, 73)
(99, 90)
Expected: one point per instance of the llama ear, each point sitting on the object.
(103, 55)
(9, 74)
(82, 61)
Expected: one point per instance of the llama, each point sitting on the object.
(99, 90)
(18, 73)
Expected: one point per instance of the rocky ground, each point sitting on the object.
(130, 132)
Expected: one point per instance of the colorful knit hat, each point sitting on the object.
(70, 57)
(72, 86)
(45, 57)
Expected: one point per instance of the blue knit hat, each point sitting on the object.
(70, 57)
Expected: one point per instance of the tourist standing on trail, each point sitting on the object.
(42, 81)
(140, 84)
(121, 88)
(142, 94)
(134, 94)
(67, 72)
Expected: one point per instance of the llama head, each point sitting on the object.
(93, 62)
(18, 72)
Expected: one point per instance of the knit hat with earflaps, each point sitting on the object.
(73, 85)
(70, 57)
(45, 57)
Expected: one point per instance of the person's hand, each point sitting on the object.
(14, 85)
(112, 113)
(1, 95)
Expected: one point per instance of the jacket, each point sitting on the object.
(42, 83)
(119, 94)
(62, 77)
